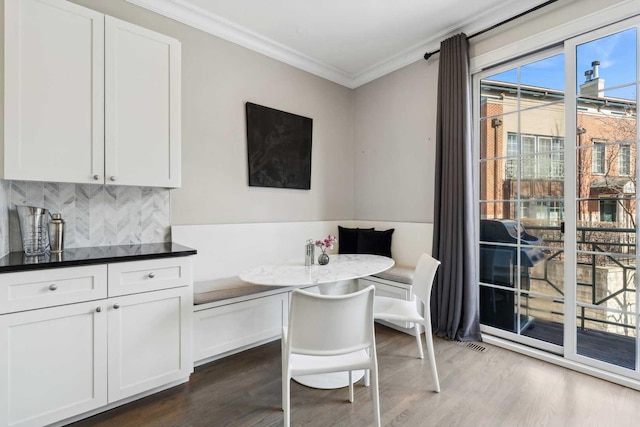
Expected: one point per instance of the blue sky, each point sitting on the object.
(617, 56)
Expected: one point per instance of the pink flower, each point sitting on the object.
(327, 243)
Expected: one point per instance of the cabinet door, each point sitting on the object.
(149, 340)
(54, 92)
(142, 129)
(53, 363)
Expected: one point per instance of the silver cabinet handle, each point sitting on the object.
(116, 306)
(152, 275)
(112, 178)
(53, 287)
(98, 309)
(96, 177)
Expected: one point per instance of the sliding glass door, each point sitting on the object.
(521, 203)
(557, 154)
(602, 75)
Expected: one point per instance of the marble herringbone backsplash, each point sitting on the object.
(95, 215)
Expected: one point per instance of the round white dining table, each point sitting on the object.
(295, 273)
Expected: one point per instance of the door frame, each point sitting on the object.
(570, 277)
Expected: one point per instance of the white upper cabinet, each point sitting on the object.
(54, 91)
(88, 98)
(142, 106)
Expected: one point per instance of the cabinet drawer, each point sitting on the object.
(142, 276)
(45, 288)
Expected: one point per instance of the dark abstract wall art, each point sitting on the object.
(279, 148)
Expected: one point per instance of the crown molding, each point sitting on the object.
(194, 16)
(187, 13)
(416, 53)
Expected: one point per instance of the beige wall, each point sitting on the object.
(395, 123)
(395, 145)
(373, 147)
(218, 77)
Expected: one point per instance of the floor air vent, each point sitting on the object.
(473, 346)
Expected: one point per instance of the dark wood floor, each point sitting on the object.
(608, 347)
(491, 388)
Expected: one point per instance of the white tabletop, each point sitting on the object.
(340, 267)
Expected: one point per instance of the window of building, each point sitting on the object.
(556, 211)
(608, 209)
(543, 163)
(597, 160)
(512, 151)
(543, 166)
(557, 158)
(624, 160)
(528, 161)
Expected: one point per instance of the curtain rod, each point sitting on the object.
(526, 12)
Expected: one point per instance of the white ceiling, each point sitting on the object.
(350, 42)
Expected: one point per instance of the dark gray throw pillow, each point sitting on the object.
(375, 242)
(348, 239)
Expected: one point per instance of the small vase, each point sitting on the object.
(323, 259)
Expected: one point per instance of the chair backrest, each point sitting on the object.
(325, 325)
(423, 277)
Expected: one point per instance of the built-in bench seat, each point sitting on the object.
(231, 315)
(397, 273)
(229, 288)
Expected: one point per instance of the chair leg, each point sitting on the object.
(428, 337)
(416, 327)
(367, 375)
(284, 372)
(351, 386)
(376, 393)
(287, 405)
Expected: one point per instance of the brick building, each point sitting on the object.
(606, 151)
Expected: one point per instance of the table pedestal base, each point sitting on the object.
(329, 381)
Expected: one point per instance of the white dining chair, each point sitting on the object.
(394, 309)
(329, 333)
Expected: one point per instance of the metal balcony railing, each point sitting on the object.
(599, 247)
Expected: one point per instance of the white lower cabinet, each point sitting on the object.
(149, 341)
(58, 362)
(53, 363)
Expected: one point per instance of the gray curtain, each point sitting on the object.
(454, 301)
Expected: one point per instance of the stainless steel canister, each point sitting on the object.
(56, 233)
(309, 255)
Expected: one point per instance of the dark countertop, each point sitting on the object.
(18, 261)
